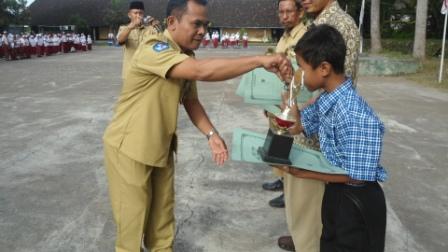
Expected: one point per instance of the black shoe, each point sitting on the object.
(274, 186)
(286, 243)
(278, 202)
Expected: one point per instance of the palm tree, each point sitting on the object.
(375, 32)
(420, 29)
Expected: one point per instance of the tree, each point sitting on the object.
(21, 12)
(419, 50)
(14, 12)
(375, 32)
(115, 14)
(5, 14)
(82, 26)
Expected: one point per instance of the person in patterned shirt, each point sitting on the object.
(329, 12)
(351, 137)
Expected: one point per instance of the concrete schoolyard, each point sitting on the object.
(53, 188)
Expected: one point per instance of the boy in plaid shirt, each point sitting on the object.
(350, 135)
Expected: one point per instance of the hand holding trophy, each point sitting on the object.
(279, 141)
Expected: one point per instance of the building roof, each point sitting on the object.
(222, 13)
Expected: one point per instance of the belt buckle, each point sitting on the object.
(356, 183)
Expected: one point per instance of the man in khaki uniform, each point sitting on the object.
(303, 197)
(141, 138)
(290, 15)
(304, 223)
(132, 34)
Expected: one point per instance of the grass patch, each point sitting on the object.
(395, 54)
(429, 74)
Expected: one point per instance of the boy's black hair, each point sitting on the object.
(323, 43)
(297, 2)
(178, 7)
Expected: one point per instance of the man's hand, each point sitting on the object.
(219, 149)
(136, 21)
(278, 64)
(156, 24)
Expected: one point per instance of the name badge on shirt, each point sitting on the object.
(161, 46)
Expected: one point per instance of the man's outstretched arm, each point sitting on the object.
(200, 119)
(224, 69)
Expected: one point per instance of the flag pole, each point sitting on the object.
(361, 20)
(442, 58)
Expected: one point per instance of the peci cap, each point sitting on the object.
(136, 5)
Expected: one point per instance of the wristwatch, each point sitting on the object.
(211, 133)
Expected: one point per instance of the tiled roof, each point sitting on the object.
(222, 13)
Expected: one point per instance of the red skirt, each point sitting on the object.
(215, 43)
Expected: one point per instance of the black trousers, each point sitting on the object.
(353, 218)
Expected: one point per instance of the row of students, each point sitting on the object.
(23, 46)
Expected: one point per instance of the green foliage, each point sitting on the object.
(429, 73)
(13, 12)
(397, 17)
(404, 46)
(115, 14)
(82, 26)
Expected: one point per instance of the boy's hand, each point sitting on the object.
(295, 113)
(296, 172)
(265, 113)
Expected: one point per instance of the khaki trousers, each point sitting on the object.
(142, 199)
(303, 203)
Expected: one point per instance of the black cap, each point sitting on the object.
(136, 5)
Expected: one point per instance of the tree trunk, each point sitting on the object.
(375, 32)
(420, 29)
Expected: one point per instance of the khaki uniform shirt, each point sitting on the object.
(135, 37)
(344, 23)
(145, 120)
(286, 45)
(289, 40)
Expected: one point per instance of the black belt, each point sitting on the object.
(355, 183)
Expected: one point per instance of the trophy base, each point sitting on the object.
(271, 159)
(276, 148)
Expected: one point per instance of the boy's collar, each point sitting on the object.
(328, 99)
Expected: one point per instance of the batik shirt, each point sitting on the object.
(333, 15)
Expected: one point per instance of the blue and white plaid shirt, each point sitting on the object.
(350, 133)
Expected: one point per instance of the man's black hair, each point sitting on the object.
(179, 7)
(297, 2)
(323, 43)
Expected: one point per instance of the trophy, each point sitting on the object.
(278, 143)
(151, 21)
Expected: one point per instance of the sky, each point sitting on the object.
(29, 2)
